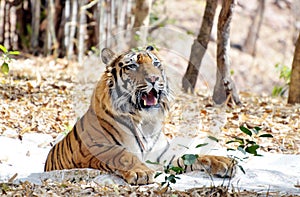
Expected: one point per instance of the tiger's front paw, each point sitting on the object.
(139, 176)
(218, 165)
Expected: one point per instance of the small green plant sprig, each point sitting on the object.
(171, 171)
(285, 74)
(6, 58)
(248, 144)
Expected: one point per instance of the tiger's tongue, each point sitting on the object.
(149, 99)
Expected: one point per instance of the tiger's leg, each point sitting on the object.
(109, 158)
(215, 165)
(118, 160)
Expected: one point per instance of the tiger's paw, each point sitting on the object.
(139, 176)
(218, 165)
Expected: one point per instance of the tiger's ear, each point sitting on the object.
(106, 55)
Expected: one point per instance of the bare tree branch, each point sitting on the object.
(254, 29)
(294, 92)
(199, 47)
(224, 86)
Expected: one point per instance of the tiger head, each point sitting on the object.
(136, 81)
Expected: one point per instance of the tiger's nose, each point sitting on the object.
(152, 79)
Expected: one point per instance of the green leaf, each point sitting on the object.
(4, 68)
(250, 141)
(201, 145)
(266, 135)
(252, 149)
(189, 159)
(246, 130)
(14, 52)
(152, 162)
(172, 178)
(2, 48)
(177, 170)
(231, 141)
(239, 138)
(234, 141)
(157, 174)
(242, 169)
(277, 90)
(213, 138)
(257, 128)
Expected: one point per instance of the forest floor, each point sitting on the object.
(45, 96)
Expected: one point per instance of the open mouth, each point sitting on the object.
(149, 99)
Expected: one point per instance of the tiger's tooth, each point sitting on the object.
(155, 101)
(145, 102)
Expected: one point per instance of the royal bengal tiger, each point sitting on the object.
(123, 126)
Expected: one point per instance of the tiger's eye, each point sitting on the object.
(157, 64)
(120, 64)
(131, 67)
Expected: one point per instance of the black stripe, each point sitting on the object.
(60, 155)
(69, 140)
(178, 163)
(108, 168)
(101, 146)
(50, 160)
(112, 126)
(147, 178)
(138, 142)
(119, 154)
(156, 140)
(105, 130)
(55, 158)
(117, 89)
(120, 120)
(165, 150)
(65, 149)
(114, 73)
(69, 145)
(76, 135)
(97, 130)
(112, 136)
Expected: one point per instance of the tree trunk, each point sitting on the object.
(2, 22)
(224, 87)
(67, 16)
(199, 47)
(141, 18)
(35, 24)
(82, 30)
(294, 92)
(73, 24)
(52, 44)
(254, 29)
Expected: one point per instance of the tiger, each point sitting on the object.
(123, 126)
